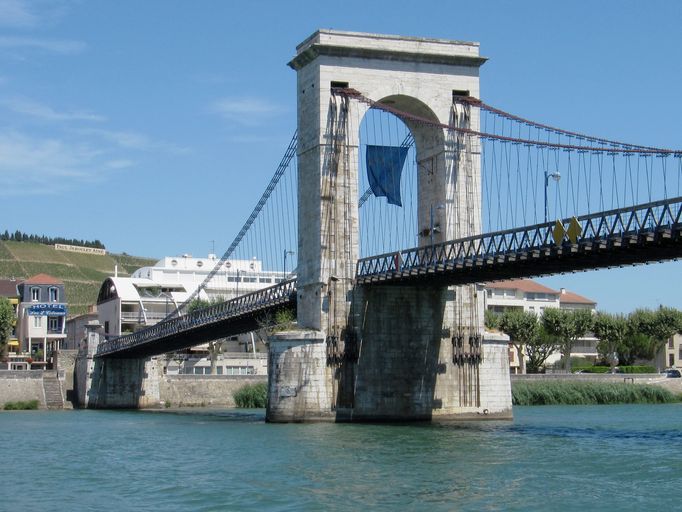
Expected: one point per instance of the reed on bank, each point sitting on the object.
(588, 393)
(252, 396)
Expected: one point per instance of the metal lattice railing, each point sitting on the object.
(249, 304)
(641, 221)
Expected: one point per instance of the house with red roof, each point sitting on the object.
(528, 295)
(41, 318)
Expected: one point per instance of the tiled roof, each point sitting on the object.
(524, 285)
(567, 297)
(8, 288)
(42, 279)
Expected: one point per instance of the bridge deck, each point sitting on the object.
(243, 314)
(648, 232)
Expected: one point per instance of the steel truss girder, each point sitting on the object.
(216, 321)
(626, 236)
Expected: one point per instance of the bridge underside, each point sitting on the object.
(617, 251)
(196, 335)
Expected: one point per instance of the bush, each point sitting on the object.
(637, 369)
(252, 396)
(21, 406)
(588, 393)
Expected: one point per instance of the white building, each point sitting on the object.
(527, 295)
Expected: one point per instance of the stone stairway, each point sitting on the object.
(53, 391)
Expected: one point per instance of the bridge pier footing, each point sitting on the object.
(300, 382)
(400, 360)
(115, 383)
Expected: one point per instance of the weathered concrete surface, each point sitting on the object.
(204, 390)
(65, 362)
(405, 368)
(21, 386)
(300, 385)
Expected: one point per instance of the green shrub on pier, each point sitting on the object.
(21, 406)
(252, 396)
(588, 393)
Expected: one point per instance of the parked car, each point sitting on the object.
(672, 373)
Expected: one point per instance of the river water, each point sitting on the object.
(549, 458)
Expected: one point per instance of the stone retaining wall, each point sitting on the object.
(21, 386)
(203, 390)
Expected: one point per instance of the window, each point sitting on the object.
(35, 294)
(37, 321)
(671, 359)
(106, 327)
(249, 279)
(671, 343)
(53, 324)
(54, 294)
(265, 280)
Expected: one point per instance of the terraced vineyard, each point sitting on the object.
(82, 273)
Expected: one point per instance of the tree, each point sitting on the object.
(491, 320)
(522, 328)
(6, 324)
(611, 331)
(539, 349)
(215, 347)
(655, 326)
(567, 326)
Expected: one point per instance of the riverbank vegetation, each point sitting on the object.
(252, 396)
(588, 393)
(27, 405)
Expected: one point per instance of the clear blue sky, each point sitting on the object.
(155, 125)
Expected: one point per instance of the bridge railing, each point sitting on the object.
(636, 220)
(243, 305)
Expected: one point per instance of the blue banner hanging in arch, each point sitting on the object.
(384, 171)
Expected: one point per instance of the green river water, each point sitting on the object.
(620, 457)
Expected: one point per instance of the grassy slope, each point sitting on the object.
(82, 273)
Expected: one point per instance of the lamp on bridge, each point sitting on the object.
(556, 176)
(286, 253)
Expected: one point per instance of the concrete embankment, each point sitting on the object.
(174, 390)
(203, 390)
(21, 386)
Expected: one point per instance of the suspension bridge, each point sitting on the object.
(385, 194)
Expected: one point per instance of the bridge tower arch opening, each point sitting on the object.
(316, 371)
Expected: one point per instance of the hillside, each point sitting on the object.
(82, 273)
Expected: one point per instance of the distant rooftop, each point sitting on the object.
(530, 286)
(42, 279)
(567, 297)
(8, 288)
(524, 285)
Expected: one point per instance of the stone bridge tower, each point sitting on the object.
(394, 352)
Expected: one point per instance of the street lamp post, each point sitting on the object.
(556, 176)
(286, 253)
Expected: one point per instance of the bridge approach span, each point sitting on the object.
(236, 316)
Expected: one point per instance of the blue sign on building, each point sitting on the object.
(47, 310)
